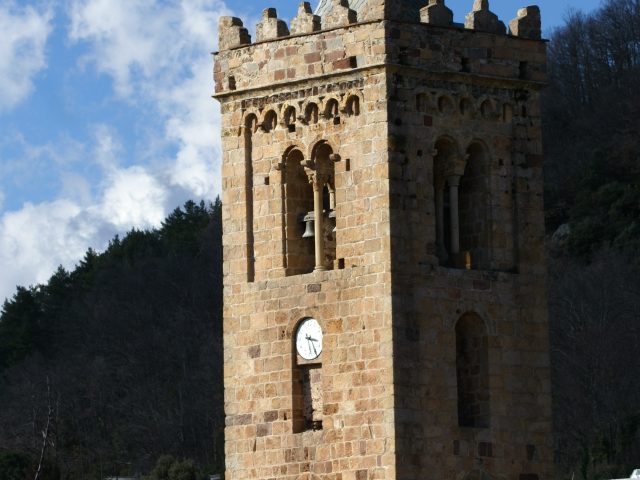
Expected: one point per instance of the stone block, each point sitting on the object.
(271, 26)
(231, 33)
(527, 24)
(436, 13)
(305, 21)
(339, 15)
(482, 19)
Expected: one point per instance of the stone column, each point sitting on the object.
(453, 182)
(318, 186)
(439, 193)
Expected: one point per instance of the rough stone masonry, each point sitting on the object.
(382, 174)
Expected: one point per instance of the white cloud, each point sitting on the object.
(158, 57)
(37, 238)
(2, 197)
(22, 50)
(133, 198)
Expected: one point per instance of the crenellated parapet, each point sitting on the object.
(332, 14)
(342, 40)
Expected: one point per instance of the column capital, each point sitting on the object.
(455, 166)
(453, 180)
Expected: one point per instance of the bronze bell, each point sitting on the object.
(309, 228)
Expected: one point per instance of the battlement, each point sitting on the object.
(340, 13)
(339, 41)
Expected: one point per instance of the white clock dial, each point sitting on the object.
(309, 339)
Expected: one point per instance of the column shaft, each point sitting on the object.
(318, 225)
(453, 210)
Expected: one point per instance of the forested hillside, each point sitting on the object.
(592, 173)
(119, 361)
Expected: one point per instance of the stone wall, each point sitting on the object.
(378, 97)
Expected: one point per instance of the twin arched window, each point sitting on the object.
(461, 202)
(309, 223)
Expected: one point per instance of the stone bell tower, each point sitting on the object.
(385, 311)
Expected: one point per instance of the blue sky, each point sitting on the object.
(106, 120)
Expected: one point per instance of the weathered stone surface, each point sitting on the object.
(231, 33)
(527, 24)
(271, 26)
(482, 19)
(379, 123)
(305, 21)
(436, 13)
(339, 15)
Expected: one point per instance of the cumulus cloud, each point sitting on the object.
(37, 238)
(157, 54)
(22, 50)
(133, 198)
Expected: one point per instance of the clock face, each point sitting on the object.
(309, 339)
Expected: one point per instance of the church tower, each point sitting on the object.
(385, 312)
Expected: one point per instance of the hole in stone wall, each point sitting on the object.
(311, 113)
(290, 119)
(270, 121)
(464, 65)
(523, 70)
(486, 109)
(331, 110)
(445, 105)
(353, 106)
